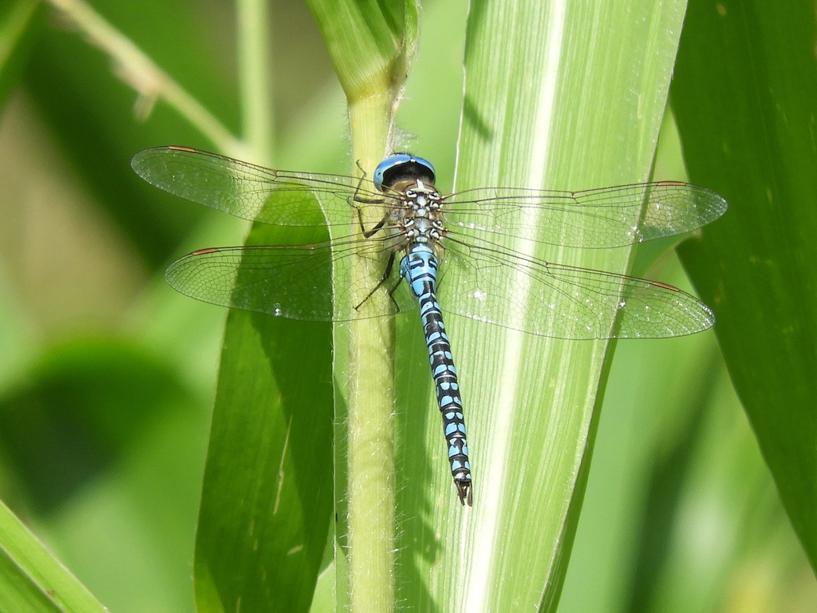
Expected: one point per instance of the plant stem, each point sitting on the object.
(137, 69)
(371, 482)
(254, 78)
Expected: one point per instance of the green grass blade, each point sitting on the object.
(557, 96)
(267, 493)
(744, 101)
(31, 579)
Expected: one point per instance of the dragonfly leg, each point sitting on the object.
(357, 197)
(383, 279)
(394, 289)
(374, 230)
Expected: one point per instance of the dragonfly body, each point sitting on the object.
(465, 231)
(422, 227)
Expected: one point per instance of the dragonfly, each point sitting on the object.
(456, 242)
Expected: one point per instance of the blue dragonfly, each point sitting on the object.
(464, 231)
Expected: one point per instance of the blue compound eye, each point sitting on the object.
(402, 167)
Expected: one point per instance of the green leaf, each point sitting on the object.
(87, 435)
(653, 402)
(31, 579)
(58, 431)
(268, 480)
(559, 97)
(267, 494)
(744, 96)
(371, 43)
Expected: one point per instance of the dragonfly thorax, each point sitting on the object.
(418, 217)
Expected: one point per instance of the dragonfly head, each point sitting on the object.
(402, 167)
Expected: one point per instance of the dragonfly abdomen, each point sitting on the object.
(419, 267)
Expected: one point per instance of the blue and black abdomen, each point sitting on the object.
(419, 267)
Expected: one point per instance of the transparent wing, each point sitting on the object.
(480, 279)
(290, 281)
(514, 291)
(252, 192)
(605, 217)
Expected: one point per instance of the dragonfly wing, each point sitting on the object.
(604, 217)
(288, 281)
(514, 291)
(252, 192)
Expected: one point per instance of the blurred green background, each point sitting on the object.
(107, 376)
